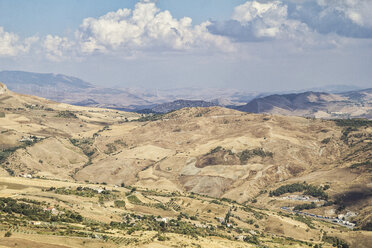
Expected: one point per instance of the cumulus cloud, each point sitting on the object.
(358, 11)
(11, 45)
(347, 18)
(57, 48)
(304, 21)
(145, 28)
(256, 21)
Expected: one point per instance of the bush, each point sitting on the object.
(326, 141)
(7, 234)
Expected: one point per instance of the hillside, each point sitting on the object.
(192, 166)
(354, 104)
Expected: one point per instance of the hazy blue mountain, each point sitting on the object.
(352, 104)
(20, 79)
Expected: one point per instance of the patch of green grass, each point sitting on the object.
(305, 220)
(119, 204)
(134, 200)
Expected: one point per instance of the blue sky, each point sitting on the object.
(252, 45)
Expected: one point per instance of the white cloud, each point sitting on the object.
(307, 23)
(146, 28)
(267, 17)
(57, 48)
(256, 21)
(358, 11)
(10, 44)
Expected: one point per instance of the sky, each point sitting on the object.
(257, 45)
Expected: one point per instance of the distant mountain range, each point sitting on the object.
(354, 104)
(335, 101)
(75, 91)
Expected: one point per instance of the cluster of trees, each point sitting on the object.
(79, 191)
(307, 189)
(33, 211)
(151, 117)
(149, 222)
(247, 154)
(305, 206)
(186, 216)
(86, 145)
(353, 122)
(336, 242)
(367, 226)
(66, 114)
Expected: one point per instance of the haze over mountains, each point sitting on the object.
(334, 102)
(72, 90)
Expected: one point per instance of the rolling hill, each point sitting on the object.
(193, 167)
